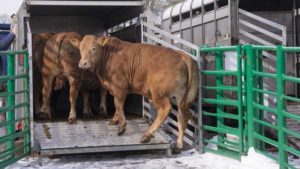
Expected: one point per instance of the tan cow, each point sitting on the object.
(61, 58)
(155, 72)
(38, 44)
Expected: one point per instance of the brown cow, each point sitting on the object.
(38, 44)
(155, 72)
(61, 57)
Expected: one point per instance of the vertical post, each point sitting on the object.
(240, 98)
(219, 83)
(199, 104)
(281, 122)
(27, 101)
(249, 92)
(11, 100)
(260, 115)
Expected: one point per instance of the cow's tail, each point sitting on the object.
(190, 65)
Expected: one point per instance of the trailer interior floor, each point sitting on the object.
(91, 136)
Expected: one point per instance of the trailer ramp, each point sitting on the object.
(56, 138)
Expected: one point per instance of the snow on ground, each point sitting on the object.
(190, 159)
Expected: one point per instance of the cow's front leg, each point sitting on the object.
(87, 113)
(119, 114)
(74, 87)
(102, 108)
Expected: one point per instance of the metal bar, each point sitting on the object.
(223, 115)
(262, 91)
(222, 145)
(219, 93)
(199, 106)
(291, 150)
(264, 48)
(256, 38)
(261, 19)
(281, 122)
(240, 98)
(219, 48)
(292, 133)
(167, 44)
(229, 102)
(265, 108)
(292, 49)
(219, 72)
(259, 29)
(264, 74)
(10, 116)
(265, 124)
(291, 98)
(260, 95)
(221, 130)
(6, 94)
(290, 115)
(26, 98)
(6, 123)
(11, 108)
(249, 72)
(231, 88)
(12, 52)
(292, 79)
(265, 139)
(171, 36)
(85, 3)
(12, 77)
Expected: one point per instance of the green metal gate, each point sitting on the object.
(225, 98)
(242, 114)
(14, 113)
(258, 110)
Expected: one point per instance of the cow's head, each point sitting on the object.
(90, 51)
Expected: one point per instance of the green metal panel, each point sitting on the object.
(16, 143)
(225, 146)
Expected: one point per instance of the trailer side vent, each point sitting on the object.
(209, 7)
(175, 18)
(185, 15)
(197, 11)
(222, 3)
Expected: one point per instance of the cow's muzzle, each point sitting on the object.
(84, 65)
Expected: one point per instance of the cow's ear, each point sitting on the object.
(75, 43)
(102, 41)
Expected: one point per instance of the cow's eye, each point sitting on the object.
(94, 49)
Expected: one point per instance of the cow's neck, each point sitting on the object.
(108, 51)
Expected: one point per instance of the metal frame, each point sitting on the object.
(84, 3)
(256, 123)
(149, 35)
(11, 152)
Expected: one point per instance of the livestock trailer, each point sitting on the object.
(217, 23)
(121, 19)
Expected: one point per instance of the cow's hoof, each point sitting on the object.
(102, 110)
(177, 150)
(113, 123)
(44, 116)
(88, 115)
(146, 138)
(122, 130)
(72, 120)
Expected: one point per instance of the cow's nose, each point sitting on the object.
(82, 64)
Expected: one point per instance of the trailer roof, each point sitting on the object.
(111, 12)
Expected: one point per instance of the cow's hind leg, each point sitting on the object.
(163, 107)
(119, 114)
(102, 108)
(87, 113)
(74, 88)
(48, 78)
